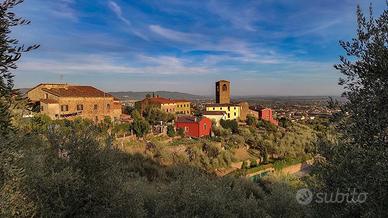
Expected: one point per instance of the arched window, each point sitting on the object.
(224, 87)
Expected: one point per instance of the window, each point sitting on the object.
(46, 96)
(228, 115)
(64, 107)
(108, 106)
(95, 107)
(80, 107)
(228, 108)
(204, 126)
(224, 87)
(235, 114)
(214, 108)
(41, 108)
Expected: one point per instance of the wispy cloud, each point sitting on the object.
(98, 64)
(64, 9)
(241, 17)
(119, 13)
(238, 50)
(176, 35)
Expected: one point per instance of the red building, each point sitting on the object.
(266, 114)
(195, 127)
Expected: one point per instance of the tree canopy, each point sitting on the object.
(359, 158)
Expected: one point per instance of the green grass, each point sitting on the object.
(258, 168)
(280, 164)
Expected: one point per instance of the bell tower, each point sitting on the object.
(223, 92)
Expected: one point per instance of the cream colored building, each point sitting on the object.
(215, 116)
(232, 111)
(165, 104)
(63, 101)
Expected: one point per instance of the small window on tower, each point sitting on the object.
(224, 87)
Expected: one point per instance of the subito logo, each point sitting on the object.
(304, 196)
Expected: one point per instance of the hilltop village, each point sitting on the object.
(65, 101)
(221, 136)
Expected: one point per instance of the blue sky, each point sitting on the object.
(264, 47)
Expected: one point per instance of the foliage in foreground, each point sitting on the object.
(70, 171)
(359, 159)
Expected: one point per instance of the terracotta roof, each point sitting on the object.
(188, 119)
(49, 101)
(64, 84)
(77, 91)
(221, 113)
(222, 105)
(161, 100)
(180, 100)
(258, 108)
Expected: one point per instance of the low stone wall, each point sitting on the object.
(297, 167)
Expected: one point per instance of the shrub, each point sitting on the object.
(253, 163)
(230, 124)
(181, 132)
(170, 131)
(244, 165)
(251, 120)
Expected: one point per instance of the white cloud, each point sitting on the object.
(176, 35)
(64, 9)
(244, 51)
(117, 10)
(86, 64)
(119, 13)
(242, 17)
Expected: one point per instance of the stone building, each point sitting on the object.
(232, 111)
(60, 101)
(165, 104)
(223, 92)
(245, 111)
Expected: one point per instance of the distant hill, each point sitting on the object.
(141, 95)
(23, 90)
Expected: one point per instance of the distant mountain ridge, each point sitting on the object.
(129, 95)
